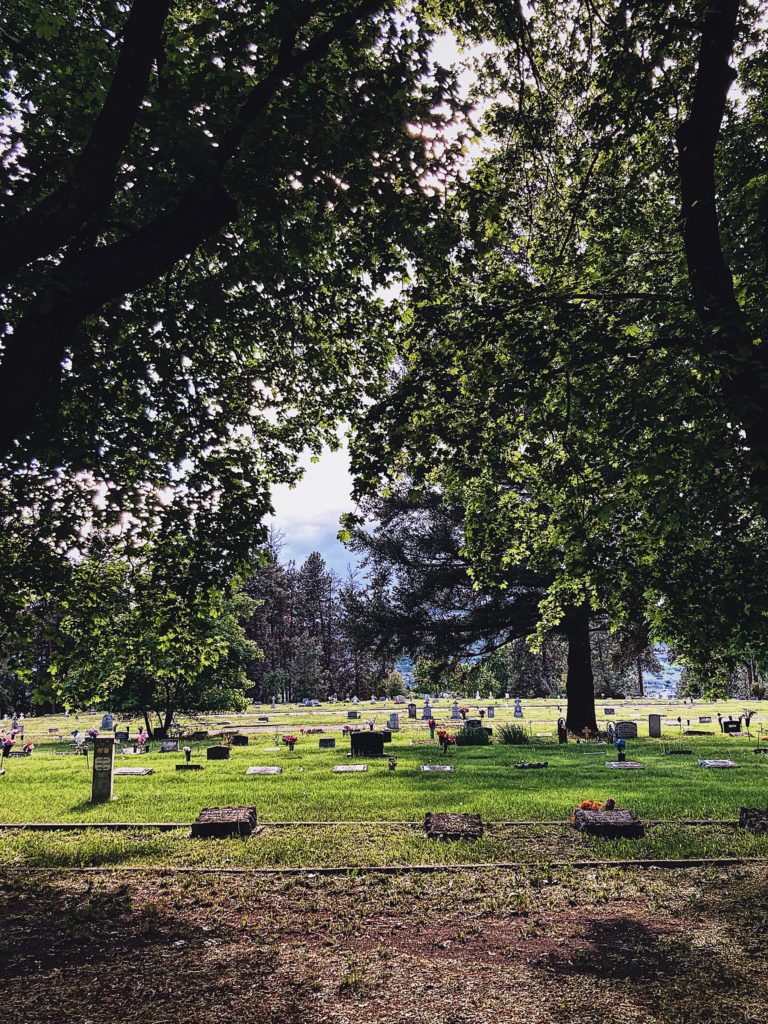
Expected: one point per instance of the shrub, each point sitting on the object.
(472, 738)
(517, 735)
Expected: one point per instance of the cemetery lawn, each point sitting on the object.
(539, 946)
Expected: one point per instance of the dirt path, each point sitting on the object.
(536, 947)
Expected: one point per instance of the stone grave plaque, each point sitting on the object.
(134, 771)
(705, 719)
(608, 824)
(367, 744)
(199, 734)
(239, 740)
(342, 768)
(327, 742)
(491, 711)
(411, 710)
(532, 764)
(121, 735)
(263, 718)
(623, 764)
(731, 727)
(169, 746)
(103, 766)
(755, 819)
(218, 753)
(189, 767)
(654, 726)
(717, 762)
(453, 826)
(609, 711)
(626, 730)
(474, 723)
(264, 770)
(437, 768)
(386, 735)
(353, 714)
(394, 722)
(271, 750)
(760, 750)
(220, 822)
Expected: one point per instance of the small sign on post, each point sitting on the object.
(103, 765)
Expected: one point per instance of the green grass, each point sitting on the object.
(48, 787)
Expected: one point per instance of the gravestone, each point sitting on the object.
(608, 824)
(491, 711)
(169, 746)
(239, 740)
(718, 762)
(121, 735)
(609, 711)
(654, 726)
(426, 714)
(626, 730)
(386, 735)
(108, 722)
(367, 744)
(532, 764)
(103, 767)
(455, 713)
(394, 722)
(189, 767)
(354, 714)
(731, 727)
(220, 822)
(327, 743)
(340, 769)
(218, 753)
(437, 768)
(474, 723)
(755, 819)
(705, 719)
(623, 764)
(411, 710)
(134, 771)
(264, 770)
(518, 712)
(453, 826)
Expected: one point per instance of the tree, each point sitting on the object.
(127, 643)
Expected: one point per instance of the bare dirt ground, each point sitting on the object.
(533, 947)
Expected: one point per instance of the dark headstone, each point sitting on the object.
(189, 767)
(220, 822)
(218, 753)
(169, 746)
(532, 764)
(698, 732)
(239, 740)
(386, 735)
(473, 723)
(609, 711)
(121, 735)
(411, 710)
(453, 826)
(626, 730)
(654, 726)
(327, 742)
(199, 734)
(367, 744)
(609, 824)
(731, 727)
(353, 714)
(705, 719)
(754, 818)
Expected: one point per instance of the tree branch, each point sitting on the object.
(49, 225)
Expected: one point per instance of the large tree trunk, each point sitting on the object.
(580, 683)
(640, 685)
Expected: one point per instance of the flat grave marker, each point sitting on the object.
(169, 746)
(218, 753)
(327, 743)
(339, 768)
(437, 768)
(453, 826)
(134, 771)
(264, 770)
(619, 824)
(220, 822)
(754, 819)
(717, 762)
(189, 767)
(532, 764)
(623, 764)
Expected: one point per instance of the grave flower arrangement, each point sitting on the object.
(481, 712)
(141, 739)
(28, 748)
(93, 733)
(445, 739)
(290, 741)
(597, 805)
(464, 712)
(7, 742)
(432, 726)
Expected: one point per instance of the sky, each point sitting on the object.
(308, 514)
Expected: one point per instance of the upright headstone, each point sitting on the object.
(626, 730)
(108, 722)
(491, 710)
(394, 722)
(411, 710)
(518, 708)
(426, 714)
(103, 766)
(353, 714)
(654, 726)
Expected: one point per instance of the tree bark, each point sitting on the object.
(580, 683)
(640, 686)
(742, 360)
